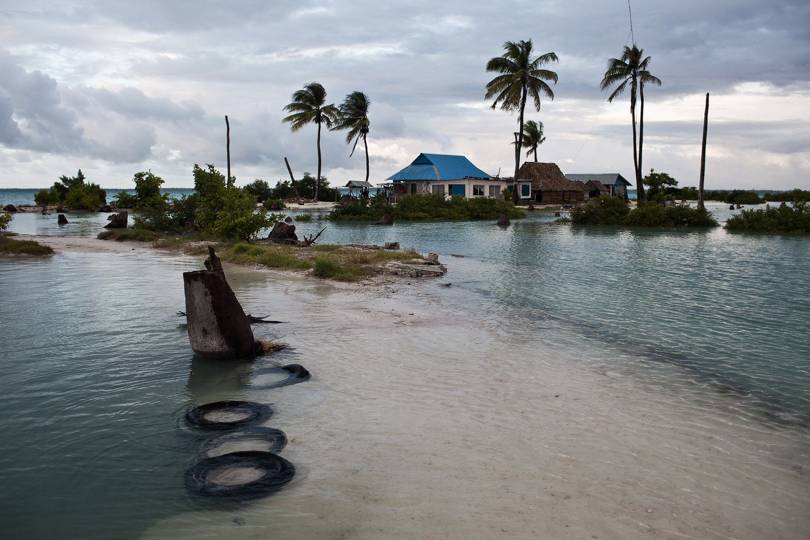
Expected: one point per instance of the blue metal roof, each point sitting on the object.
(439, 167)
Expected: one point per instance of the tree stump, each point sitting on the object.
(283, 233)
(61, 219)
(10, 208)
(217, 325)
(117, 221)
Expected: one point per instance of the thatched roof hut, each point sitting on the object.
(549, 184)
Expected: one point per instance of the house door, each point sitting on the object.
(413, 189)
(457, 190)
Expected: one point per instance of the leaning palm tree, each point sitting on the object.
(630, 70)
(520, 76)
(354, 117)
(532, 137)
(644, 77)
(309, 106)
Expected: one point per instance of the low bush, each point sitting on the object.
(614, 211)
(5, 219)
(274, 205)
(304, 218)
(784, 219)
(426, 208)
(73, 192)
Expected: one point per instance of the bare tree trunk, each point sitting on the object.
(292, 178)
(519, 146)
(535, 154)
(228, 146)
(217, 326)
(365, 144)
(703, 154)
(318, 179)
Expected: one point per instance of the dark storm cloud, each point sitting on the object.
(129, 67)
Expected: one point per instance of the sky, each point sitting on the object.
(115, 86)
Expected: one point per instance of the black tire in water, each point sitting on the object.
(253, 413)
(276, 472)
(296, 373)
(276, 438)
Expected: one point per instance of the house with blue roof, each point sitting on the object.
(448, 175)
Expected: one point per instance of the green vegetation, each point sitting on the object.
(425, 208)
(659, 182)
(631, 69)
(533, 137)
(353, 116)
(74, 193)
(614, 211)
(304, 218)
(216, 209)
(12, 246)
(521, 75)
(783, 219)
(309, 106)
(128, 235)
(147, 192)
(341, 263)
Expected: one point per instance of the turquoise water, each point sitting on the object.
(97, 371)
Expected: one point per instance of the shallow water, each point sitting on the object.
(539, 395)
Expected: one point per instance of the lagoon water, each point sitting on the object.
(569, 383)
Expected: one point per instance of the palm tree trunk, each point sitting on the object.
(365, 145)
(703, 154)
(318, 179)
(641, 128)
(639, 185)
(535, 154)
(519, 145)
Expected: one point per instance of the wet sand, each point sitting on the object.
(422, 422)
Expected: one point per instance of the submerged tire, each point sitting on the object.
(276, 438)
(239, 475)
(222, 415)
(296, 373)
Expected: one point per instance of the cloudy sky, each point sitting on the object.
(114, 87)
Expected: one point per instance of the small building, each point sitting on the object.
(595, 188)
(358, 188)
(447, 175)
(615, 183)
(549, 185)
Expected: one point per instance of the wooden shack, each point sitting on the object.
(549, 185)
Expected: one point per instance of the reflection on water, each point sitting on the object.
(541, 369)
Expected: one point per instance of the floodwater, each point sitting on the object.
(568, 384)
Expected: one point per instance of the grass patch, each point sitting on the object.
(304, 218)
(12, 246)
(782, 219)
(329, 268)
(128, 235)
(279, 257)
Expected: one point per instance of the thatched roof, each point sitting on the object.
(596, 185)
(547, 177)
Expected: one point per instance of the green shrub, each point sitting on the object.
(5, 219)
(73, 192)
(304, 218)
(261, 190)
(426, 208)
(11, 246)
(601, 211)
(782, 219)
(274, 205)
(124, 199)
(329, 269)
(614, 211)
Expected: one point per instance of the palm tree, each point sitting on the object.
(520, 76)
(354, 117)
(631, 69)
(533, 137)
(644, 77)
(309, 106)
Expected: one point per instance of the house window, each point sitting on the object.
(494, 191)
(478, 191)
(525, 191)
(438, 189)
(457, 190)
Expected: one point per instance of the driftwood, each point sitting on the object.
(309, 240)
(217, 325)
(253, 319)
